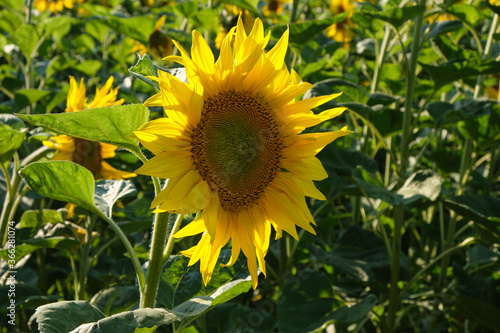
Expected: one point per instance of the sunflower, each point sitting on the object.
(89, 154)
(341, 32)
(230, 147)
(54, 6)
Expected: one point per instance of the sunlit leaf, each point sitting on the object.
(61, 180)
(26, 38)
(113, 125)
(38, 218)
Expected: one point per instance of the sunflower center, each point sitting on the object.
(237, 148)
(88, 154)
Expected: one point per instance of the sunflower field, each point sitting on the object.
(249, 166)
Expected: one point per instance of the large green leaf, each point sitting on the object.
(459, 69)
(113, 125)
(108, 191)
(303, 32)
(397, 16)
(445, 113)
(63, 317)
(61, 180)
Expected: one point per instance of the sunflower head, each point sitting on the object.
(231, 147)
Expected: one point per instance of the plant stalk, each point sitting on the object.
(399, 210)
(155, 266)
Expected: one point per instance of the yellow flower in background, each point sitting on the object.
(231, 147)
(54, 6)
(273, 6)
(231, 11)
(88, 154)
(341, 32)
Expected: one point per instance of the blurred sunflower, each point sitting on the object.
(159, 43)
(54, 6)
(341, 32)
(273, 6)
(230, 147)
(89, 154)
(231, 14)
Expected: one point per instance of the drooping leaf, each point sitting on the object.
(10, 141)
(108, 191)
(61, 180)
(112, 125)
(31, 245)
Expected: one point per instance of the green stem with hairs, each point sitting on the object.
(170, 242)
(399, 210)
(155, 267)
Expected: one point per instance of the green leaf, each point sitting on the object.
(353, 314)
(397, 16)
(466, 13)
(422, 184)
(138, 27)
(39, 218)
(89, 67)
(15, 4)
(303, 32)
(10, 141)
(443, 27)
(9, 21)
(26, 38)
(445, 113)
(374, 187)
(130, 321)
(63, 317)
(143, 68)
(484, 130)
(305, 300)
(343, 162)
(459, 69)
(25, 97)
(31, 245)
(116, 299)
(61, 180)
(483, 210)
(113, 125)
(56, 24)
(108, 191)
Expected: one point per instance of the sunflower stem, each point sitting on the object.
(380, 58)
(160, 229)
(170, 242)
(399, 209)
